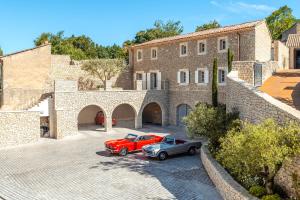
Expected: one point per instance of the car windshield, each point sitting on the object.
(168, 139)
(131, 137)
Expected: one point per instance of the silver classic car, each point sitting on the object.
(170, 146)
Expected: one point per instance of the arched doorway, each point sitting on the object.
(91, 118)
(124, 116)
(152, 114)
(182, 111)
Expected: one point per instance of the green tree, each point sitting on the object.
(259, 150)
(230, 57)
(103, 69)
(279, 21)
(160, 30)
(1, 52)
(210, 25)
(211, 122)
(215, 83)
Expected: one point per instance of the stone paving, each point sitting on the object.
(79, 168)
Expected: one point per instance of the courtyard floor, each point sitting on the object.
(79, 168)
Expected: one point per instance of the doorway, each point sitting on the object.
(297, 59)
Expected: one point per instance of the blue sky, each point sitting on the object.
(114, 21)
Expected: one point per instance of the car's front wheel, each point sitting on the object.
(192, 151)
(162, 156)
(123, 152)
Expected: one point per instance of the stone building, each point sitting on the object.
(291, 38)
(184, 63)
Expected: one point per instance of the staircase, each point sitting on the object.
(41, 105)
(285, 86)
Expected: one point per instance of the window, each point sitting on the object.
(183, 77)
(183, 49)
(221, 76)
(222, 45)
(153, 81)
(202, 47)
(153, 53)
(139, 55)
(201, 76)
(139, 76)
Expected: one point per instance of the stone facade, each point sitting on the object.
(226, 185)
(284, 177)
(247, 45)
(19, 127)
(254, 105)
(69, 102)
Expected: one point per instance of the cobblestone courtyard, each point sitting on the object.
(79, 168)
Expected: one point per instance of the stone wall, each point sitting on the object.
(69, 102)
(284, 177)
(19, 127)
(255, 105)
(281, 54)
(226, 185)
(263, 43)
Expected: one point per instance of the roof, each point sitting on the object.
(208, 32)
(24, 50)
(293, 40)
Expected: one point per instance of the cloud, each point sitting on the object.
(242, 7)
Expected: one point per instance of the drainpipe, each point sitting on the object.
(239, 47)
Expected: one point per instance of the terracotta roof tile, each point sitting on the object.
(203, 33)
(293, 40)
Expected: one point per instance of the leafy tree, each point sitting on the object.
(103, 69)
(79, 47)
(210, 25)
(279, 21)
(230, 57)
(1, 52)
(259, 150)
(212, 122)
(215, 83)
(160, 30)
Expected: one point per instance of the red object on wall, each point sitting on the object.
(100, 119)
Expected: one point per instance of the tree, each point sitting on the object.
(258, 151)
(1, 52)
(210, 25)
(160, 30)
(230, 57)
(79, 47)
(215, 83)
(212, 122)
(103, 69)
(279, 21)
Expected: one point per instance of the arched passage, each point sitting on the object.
(124, 115)
(152, 114)
(182, 110)
(90, 117)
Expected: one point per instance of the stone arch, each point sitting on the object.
(124, 115)
(89, 117)
(153, 113)
(182, 110)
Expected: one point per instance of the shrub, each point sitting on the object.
(271, 197)
(259, 150)
(258, 191)
(212, 122)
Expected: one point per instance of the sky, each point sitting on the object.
(110, 22)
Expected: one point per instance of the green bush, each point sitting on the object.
(209, 121)
(271, 197)
(258, 191)
(259, 150)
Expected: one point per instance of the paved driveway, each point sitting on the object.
(78, 168)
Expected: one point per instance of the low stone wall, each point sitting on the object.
(19, 127)
(254, 105)
(226, 185)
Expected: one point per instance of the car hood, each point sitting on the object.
(156, 146)
(117, 142)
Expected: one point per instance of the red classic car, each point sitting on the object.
(100, 119)
(130, 143)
